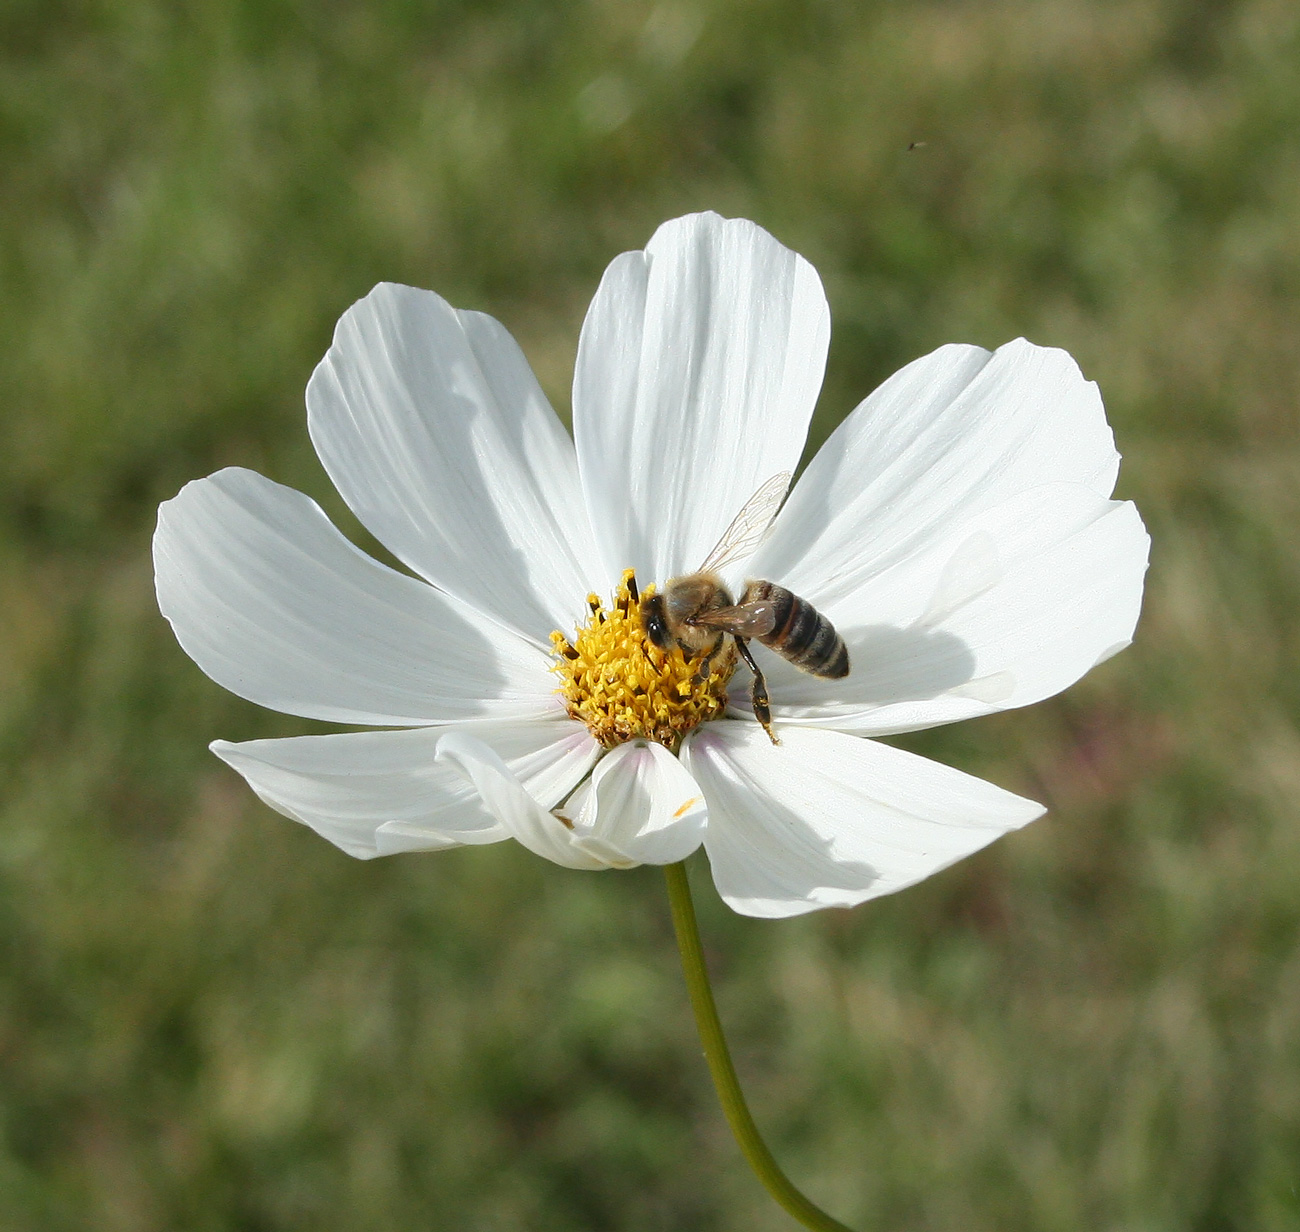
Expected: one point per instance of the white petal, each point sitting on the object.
(275, 605)
(1014, 606)
(954, 433)
(698, 367)
(641, 804)
(437, 435)
(378, 792)
(829, 820)
(506, 798)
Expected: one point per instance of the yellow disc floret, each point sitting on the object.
(623, 687)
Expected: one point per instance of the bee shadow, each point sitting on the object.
(893, 664)
(887, 664)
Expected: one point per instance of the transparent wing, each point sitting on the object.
(753, 619)
(749, 528)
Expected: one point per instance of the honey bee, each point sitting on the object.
(697, 613)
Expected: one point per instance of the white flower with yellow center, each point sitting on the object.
(957, 529)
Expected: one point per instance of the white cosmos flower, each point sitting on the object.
(957, 528)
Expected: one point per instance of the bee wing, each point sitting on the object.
(749, 527)
(754, 619)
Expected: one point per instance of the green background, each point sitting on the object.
(210, 1019)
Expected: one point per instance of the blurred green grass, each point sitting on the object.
(209, 1019)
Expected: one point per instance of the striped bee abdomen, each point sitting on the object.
(801, 633)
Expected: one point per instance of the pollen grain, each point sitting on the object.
(623, 687)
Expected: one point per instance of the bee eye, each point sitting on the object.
(653, 618)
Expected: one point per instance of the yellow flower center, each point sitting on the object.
(623, 687)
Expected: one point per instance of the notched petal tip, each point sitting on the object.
(270, 600)
(436, 433)
(714, 339)
(1111, 651)
(833, 820)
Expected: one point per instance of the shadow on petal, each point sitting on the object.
(766, 859)
(889, 664)
(768, 862)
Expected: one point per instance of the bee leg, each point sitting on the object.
(758, 692)
(702, 672)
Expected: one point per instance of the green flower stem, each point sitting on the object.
(720, 1066)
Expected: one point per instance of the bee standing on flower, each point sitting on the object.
(696, 611)
(955, 540)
